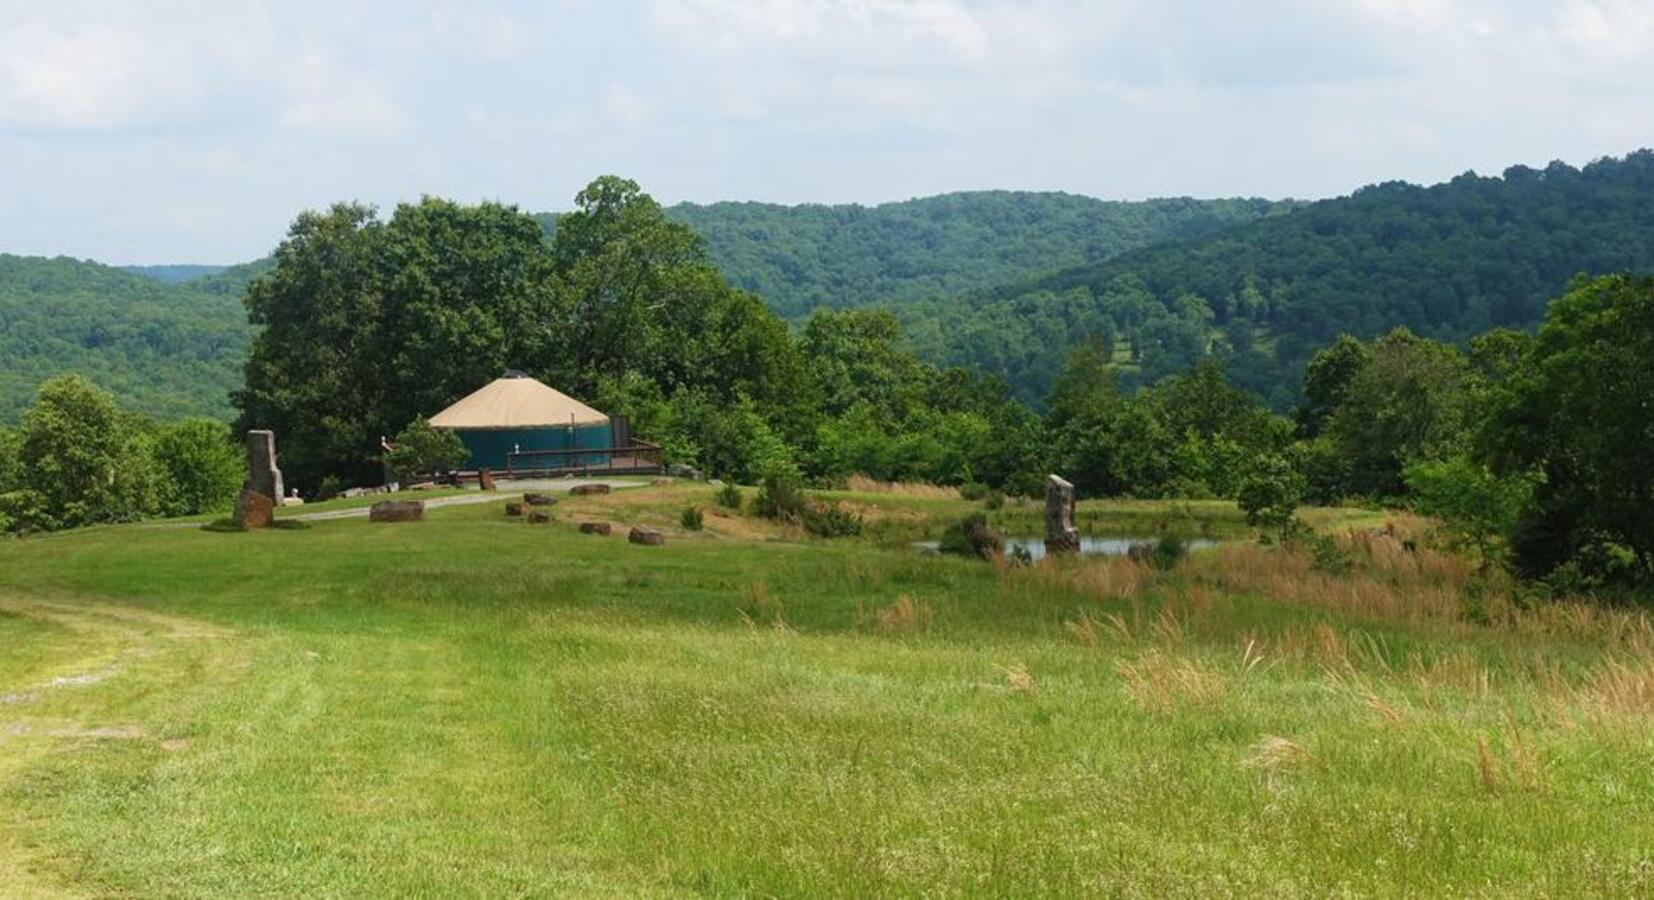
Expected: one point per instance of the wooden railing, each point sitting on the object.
(636, 458)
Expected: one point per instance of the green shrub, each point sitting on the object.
(781, 497)
(993, 500)
(1168, 552)
(830, 520)
(201, 467)
(423, 450)
(973, 490)
(729, 497)
(692, 518)
(971, 536)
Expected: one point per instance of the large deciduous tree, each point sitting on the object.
(1580, 411)
(366, 324)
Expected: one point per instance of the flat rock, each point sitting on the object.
(538, 518)
(397, 511)
(584, 490)
(514, 508)
(539, 500)
(647, 536)
(595, 528)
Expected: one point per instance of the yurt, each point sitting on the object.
(516, 413)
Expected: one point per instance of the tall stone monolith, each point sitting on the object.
(261, 492)
(262, 474)
(1060, 534)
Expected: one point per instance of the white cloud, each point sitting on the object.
(1622, 28)
(324, 95)
(232, 117)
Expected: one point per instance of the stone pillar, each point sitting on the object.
(262, 474)
(1060, 534)
(261, 493)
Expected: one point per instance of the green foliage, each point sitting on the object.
(366, 324)
(781, 497)
(729, 497)
(692, 518)
(1270, 495)
(1410, 401)
(423, 450)
(1447, 262)
(201, 467)
(1477, 508)
(1190, 435)
(80, 461)
(971, 536)
(166, 351)
(830, 520)
(1168, 551)
(1578, 413)
(801, 258)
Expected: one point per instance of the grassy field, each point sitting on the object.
(472, 706)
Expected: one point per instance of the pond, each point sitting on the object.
(1089, 546)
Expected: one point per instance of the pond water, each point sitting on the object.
(1089, 546)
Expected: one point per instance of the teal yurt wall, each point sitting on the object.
(489, 448)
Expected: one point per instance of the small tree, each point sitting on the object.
(1477, 509)
(1270, 495)
(79, 460)
(421, 448)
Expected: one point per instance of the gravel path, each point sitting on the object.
(502, 489)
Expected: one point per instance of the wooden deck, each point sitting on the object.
(637, 458)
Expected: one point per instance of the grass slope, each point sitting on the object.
(473, 706)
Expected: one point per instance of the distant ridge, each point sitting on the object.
(176, 273)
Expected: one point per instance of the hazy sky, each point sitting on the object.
(138, 131)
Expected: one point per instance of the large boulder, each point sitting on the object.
(583, 490)
(595, 528)
(539, 500)
(646, 536)
(397, 511)
(514, 508)
(254, 510)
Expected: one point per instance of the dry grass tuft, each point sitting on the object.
(1161, 684)
(757, 608)
(1084, 630)
(1619, 688)
(1518, 767)
(1018, 678)
(1099, 578)
(1391, 715)
(904, 616)
(1274, 754)
(861, 484)
(1487, 768)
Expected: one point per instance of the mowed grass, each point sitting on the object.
(472, 706)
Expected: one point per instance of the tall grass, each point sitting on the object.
(861, 484)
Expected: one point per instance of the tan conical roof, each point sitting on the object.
(516, 401)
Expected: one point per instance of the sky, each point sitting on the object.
(150, 132)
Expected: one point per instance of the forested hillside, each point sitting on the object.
(1446, 261)
(1001, 281)
(799, 258)
(169, 351)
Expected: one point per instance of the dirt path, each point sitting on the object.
(99, 656)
